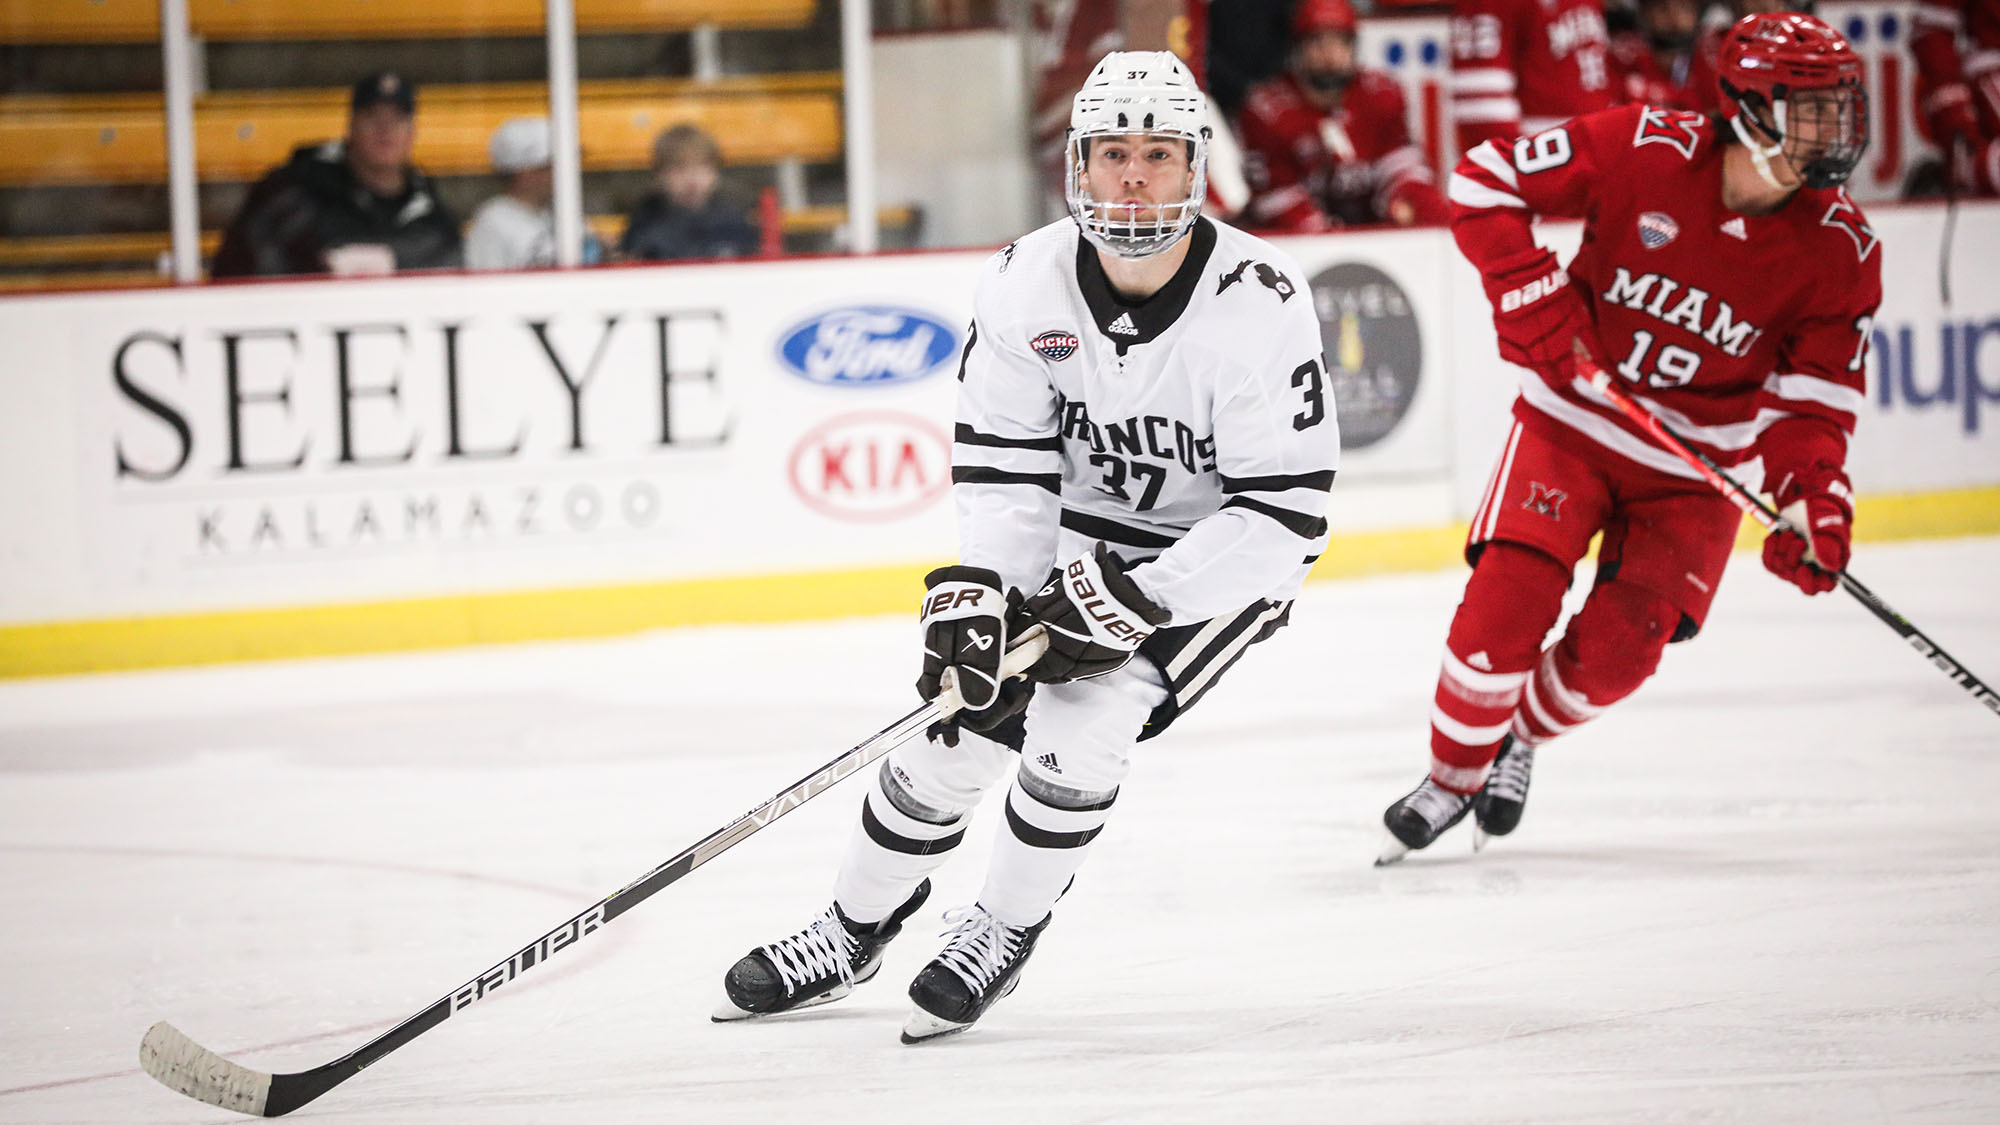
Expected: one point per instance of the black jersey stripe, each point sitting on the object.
(1298, 523)
(1111, 531)
(966, 435)
(982, 474)
(1281, 482)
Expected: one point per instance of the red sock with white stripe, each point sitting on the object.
(1612, 646)
(1510, 603)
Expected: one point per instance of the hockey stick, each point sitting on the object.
(180, 1063)
(1772, 520)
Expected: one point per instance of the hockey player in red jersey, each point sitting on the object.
(1959, 96)
(1327, 144)
(1658, 63)
(1521, 66)
(1730, 282)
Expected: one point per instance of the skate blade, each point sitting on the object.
(1479, 839)
(924, 1027)
(728, 1012)
(1393, 850)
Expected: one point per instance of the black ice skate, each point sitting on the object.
(1499, 805)
(817, 965)
(1419, 818)
(979, 964)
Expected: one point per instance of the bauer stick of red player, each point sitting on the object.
(1772, 520)
(180, 1063)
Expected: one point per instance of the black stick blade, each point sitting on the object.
(183, 1065)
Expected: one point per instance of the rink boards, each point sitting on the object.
(249, 471)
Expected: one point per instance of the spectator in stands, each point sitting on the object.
(1327, 143)
(517, 228)
(690, 216)
(1657, 60)
(350, 207)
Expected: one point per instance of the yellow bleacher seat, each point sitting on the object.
(121, 138)
(138, 21)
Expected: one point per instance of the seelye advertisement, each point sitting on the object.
(287, 443)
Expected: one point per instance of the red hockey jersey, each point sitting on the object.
(1959, 95)
(1520, 66)
(1311, 170)
(1688, 83)
(1720, 323)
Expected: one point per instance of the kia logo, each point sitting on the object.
(867, 345)
(871, 466)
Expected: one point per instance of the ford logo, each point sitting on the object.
(868, 345)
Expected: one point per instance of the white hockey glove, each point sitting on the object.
(964, 624)
(1095, 616)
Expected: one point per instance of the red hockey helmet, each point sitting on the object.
(1315, 16)
(1792, 84)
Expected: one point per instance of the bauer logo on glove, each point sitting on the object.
(1096, 617)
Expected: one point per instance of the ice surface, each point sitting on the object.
(1765, 888)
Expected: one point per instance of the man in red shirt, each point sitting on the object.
(1327, 144)
(1657, 62)
(1959, 96)
(1729, 281)
(1521, 66)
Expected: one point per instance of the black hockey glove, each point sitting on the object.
(1095, 616)
(964, 623)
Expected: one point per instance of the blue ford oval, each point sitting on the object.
(868, 346)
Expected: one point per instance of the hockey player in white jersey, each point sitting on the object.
(1146, 437)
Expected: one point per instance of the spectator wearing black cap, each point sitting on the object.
(355, 206)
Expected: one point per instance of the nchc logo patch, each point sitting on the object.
(1057, 346)
(1656, 229)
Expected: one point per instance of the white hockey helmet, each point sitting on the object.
(1137, 92)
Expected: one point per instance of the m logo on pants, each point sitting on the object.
(1548, 501)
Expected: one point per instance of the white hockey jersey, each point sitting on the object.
(1193, 431)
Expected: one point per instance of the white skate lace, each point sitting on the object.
(1510, 774)
(822, 949)
(1435, 804)
(978, 946)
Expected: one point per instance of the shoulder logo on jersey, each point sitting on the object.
(1656, 229)
(1276, 282)
(1123, 326)
(1736, 228)
(1007, 256)
(1267, 276)
(1055, 345)
(1678, 129)
(1845, 215)
(1232, 277)
(1546, 501)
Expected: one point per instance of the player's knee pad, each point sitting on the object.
(933, 778)
(1048, 813)
(1613, 644)
(1512, 600)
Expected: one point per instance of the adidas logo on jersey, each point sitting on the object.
(1123, 326)
(1048, 762)
(1734, 228)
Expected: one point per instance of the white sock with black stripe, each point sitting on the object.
(1047, 833)
(898, 842)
